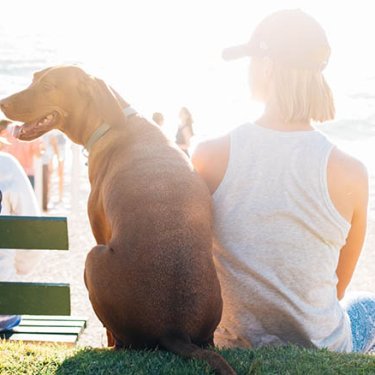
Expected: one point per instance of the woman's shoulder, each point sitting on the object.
(210, 160)
(347, 167)
(347, 182)
(217, 149)
(212, 146)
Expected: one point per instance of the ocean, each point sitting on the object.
(154, 78)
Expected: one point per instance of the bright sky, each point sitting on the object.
(161, 55)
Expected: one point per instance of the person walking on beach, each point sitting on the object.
(24, 152)
(58, 143)
(185, 130)
(54, 145)
(290, 208)
(158, 118)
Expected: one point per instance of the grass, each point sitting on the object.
(18, 358)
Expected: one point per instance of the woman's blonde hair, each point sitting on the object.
(302, 94)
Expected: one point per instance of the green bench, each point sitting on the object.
(45, 307)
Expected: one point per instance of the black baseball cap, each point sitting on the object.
(290, 37)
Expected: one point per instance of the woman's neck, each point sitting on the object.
(272, 119)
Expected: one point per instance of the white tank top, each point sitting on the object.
(279, 240)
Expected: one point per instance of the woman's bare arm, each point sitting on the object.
(348, 187)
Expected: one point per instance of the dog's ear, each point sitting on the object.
(37, 75)
(106, 101)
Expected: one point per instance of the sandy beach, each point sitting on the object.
(59, 266)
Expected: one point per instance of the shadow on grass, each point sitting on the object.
(282, 360)
(130, 362)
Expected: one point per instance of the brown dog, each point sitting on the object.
(151, 278)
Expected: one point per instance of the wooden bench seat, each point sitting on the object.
(44, 307)
(47, 328)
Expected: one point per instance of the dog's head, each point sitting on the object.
(66, 98)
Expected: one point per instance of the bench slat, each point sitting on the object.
(53, 323)
(34, 298)
(55, 317)
(40, 338)
(45, 329)
(29, 232)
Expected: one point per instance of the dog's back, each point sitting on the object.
(155, 283)
(161, 240)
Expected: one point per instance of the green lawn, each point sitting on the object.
(18, 359)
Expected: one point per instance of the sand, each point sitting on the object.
(60, 266)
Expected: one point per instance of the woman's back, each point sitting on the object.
(280, 237)
(290, 208)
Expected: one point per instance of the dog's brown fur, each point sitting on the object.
(151, 278)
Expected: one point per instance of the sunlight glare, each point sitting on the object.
(161, 55)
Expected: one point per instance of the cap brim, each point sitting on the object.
(236, 52)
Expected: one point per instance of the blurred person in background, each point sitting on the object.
(17, 198)
(53, 156)
(24, 152)
(58, 143)
(185, 130)
(158, 118)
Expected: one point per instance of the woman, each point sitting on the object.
(158, 118)
(185, 130)
(290, 207)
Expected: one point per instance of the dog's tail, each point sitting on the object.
(182, 346)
